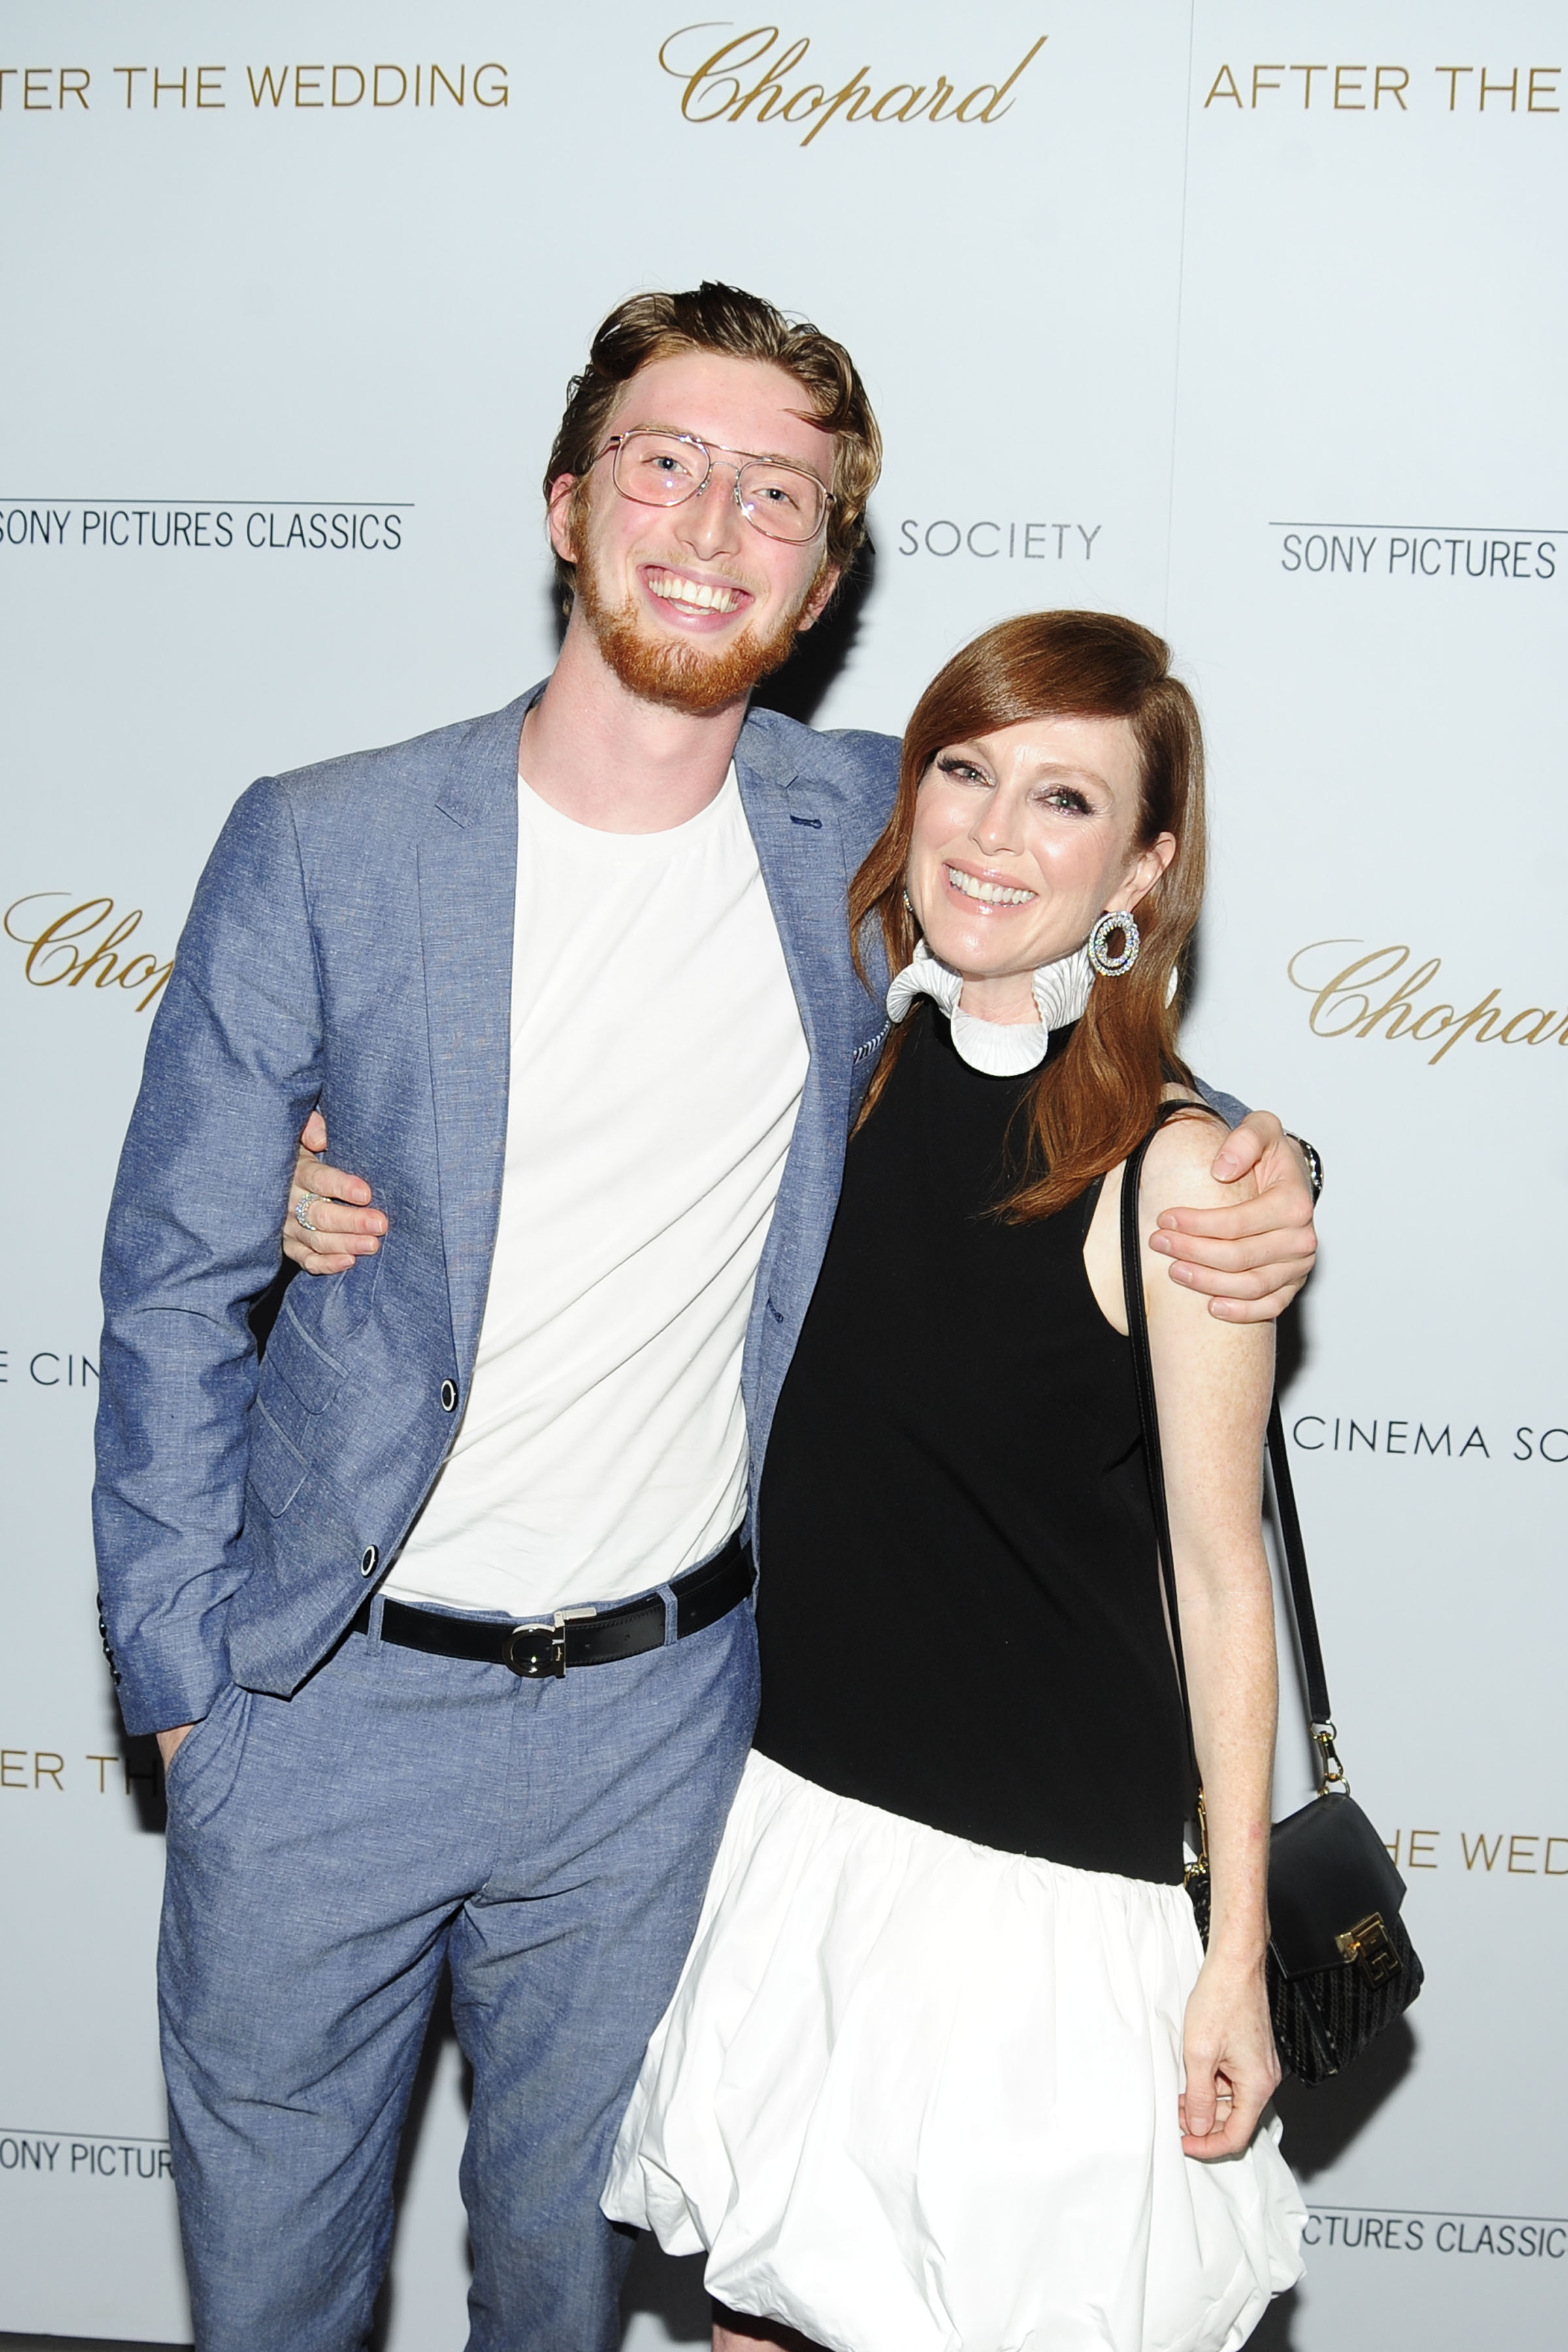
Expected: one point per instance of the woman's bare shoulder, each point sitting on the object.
(1177, 1174)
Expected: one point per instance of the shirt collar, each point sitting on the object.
(1002, 1049)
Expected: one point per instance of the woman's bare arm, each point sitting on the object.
(1213, 1382)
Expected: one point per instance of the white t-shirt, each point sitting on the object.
(658, 1060)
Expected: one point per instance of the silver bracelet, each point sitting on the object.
(1313, 1159)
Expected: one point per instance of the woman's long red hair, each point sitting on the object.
(1091, 1105)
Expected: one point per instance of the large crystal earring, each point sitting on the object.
(1108, 966)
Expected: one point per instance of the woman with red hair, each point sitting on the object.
(949, 2069)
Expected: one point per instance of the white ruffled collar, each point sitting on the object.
(1002, 1049)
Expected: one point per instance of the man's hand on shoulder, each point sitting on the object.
(1253, 1257)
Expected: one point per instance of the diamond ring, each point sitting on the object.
(302, 1210)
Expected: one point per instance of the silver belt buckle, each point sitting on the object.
(538, 1648)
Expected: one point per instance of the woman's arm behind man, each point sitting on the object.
(1214, 1381)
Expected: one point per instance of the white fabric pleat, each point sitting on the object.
(1002, 1049)
(915, 2096)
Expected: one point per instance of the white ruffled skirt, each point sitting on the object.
(915, 2096)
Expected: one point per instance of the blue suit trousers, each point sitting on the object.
(550, 1843)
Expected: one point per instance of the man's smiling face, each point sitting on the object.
(691, 606)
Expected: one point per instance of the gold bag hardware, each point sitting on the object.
(1367, 1944)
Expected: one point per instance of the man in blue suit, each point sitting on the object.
(439, 1611)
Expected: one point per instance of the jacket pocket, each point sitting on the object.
(277, 1470)
(195, 1739)
(326, 1310)
(301, 1363)
(348, 1298)
(201, 1777)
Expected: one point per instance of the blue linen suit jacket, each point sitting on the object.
(350, 945)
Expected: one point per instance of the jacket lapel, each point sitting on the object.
(467, 890)
(800, 848)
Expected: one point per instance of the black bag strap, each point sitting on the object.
(1300, 1584)
(1289, 1519)
(1148, 1410)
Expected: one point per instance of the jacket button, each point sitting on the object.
(449, 1396)
(371, 1561)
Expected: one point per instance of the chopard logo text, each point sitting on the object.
(1374, 995)
(748, 77)
(89, 939)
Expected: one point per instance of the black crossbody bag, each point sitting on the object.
(1340, 1966)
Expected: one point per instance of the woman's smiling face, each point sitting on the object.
(1022, 839)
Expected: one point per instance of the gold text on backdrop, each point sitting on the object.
(1372, 89)
(59, 950)
(1343, 1006)
(150, 89)
(716, 89)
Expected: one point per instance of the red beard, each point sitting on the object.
(681, 676)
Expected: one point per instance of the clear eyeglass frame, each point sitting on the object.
(783, 501)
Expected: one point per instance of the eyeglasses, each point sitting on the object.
(665, 469)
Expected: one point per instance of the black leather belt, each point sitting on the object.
(575, 1637)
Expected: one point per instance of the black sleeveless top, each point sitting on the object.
(959, 1610)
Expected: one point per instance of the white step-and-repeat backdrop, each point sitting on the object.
(1247, 320)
